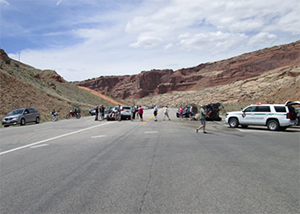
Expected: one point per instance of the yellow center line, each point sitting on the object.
(146, 121)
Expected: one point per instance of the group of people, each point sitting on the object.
(100, 111)
(137, 111)
(189, 113)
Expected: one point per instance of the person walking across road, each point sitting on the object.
(155, 112)
(202, 115)
(140, 112)
(166, 113)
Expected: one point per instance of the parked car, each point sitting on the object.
(93, 111)
(297, 110)
(21, 116)
(274, 116)
(125, 112)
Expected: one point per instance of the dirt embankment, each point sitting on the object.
(102, 96)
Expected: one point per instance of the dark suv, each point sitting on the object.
(21, 116)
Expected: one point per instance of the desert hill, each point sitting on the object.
(267, 75)
(24, 86)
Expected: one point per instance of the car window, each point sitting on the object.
(262, 109)
(26, 111)
(126, 107)
(280, 108)
(31, 110)
(15, 112)
(250, 109)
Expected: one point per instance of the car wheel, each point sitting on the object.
(233, 122)
(6, 126)
(23, 122)
(37, 120)
(273, 125)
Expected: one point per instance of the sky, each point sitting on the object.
(84, 39)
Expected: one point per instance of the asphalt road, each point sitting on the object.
(84, 166)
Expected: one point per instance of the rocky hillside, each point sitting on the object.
(268, 75)
(24, 86)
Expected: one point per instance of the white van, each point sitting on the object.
(274, 116)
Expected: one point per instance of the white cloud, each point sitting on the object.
(86, 39)
(147, 42)
(214, 42)
(58, 2)
(3, 1)
(262, 38)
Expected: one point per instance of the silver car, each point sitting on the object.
(21, 116)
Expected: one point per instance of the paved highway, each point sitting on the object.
(84, 166)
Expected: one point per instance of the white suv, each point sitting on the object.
(274, 116)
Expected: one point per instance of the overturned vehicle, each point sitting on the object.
(212, 110)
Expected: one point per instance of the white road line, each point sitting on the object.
(53, 138)
(98, 136)
(151, 132)
(37, 146)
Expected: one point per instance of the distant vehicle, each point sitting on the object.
(93, 111)
(124, 110)
(212, 110)
(297, 110)
(21, 116)
(274, 116)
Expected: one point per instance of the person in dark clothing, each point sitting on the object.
(102, 110)
(97, 111)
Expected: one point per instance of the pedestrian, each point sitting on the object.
(96, 115)
(155, 112)
(140, 112)
(119, 114)
(102, 110)
(132, 109)
(181, 113)
(191, 112)
(186, 112)
(202, 115)
(136, 111)
(166, 113)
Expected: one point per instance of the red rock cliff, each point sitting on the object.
(196, 78)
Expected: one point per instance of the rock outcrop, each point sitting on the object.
(205, 75)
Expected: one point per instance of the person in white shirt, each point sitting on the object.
(166, 113)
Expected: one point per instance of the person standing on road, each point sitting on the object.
(132, 113)
(181, 113)
(96, 114)
(191, 112)
(102, 110)
(155, 112)
(119, 114)
(140, 112)
(202, 115)
(166, 113)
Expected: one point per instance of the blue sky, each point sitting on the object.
(82, 39)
